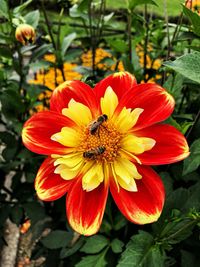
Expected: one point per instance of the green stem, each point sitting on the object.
(194, 124)
(145, 41)
(129, 23)
(59, 27)
(48, 26)
(174, 235)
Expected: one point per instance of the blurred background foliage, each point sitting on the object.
(157, 41)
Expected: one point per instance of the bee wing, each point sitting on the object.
(94, 125)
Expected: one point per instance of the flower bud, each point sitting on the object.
(25, 34)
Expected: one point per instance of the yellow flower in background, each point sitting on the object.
(150, 63)
(52, 77)
(194, 5)
(100, 55)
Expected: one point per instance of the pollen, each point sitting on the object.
(107, 137)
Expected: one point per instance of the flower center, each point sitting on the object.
(103, 145)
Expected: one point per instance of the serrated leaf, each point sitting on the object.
(32, 18)
(188, 65)
(117, 245)
(95, 244)
(93, 261)
(141, 251)
(194, 18)
(177, 230)
(193, 161)
(57, 239)
(67, 42)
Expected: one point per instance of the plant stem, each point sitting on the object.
(92, 36)
(59, 28)
(145, 41)
(48, 25)
(129, 23)
(194, 124)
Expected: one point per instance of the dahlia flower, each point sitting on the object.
(25, 34)
(104, 139)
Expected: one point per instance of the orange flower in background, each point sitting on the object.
(194, 5)
(105, 139)
(25, 34)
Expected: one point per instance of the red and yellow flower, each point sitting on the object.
(132, 138)
(25, 34)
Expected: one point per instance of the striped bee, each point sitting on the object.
(94, 127)
(93, 153)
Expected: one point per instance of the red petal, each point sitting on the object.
(77, 90)
(145, 205)
(121, 82)
(171, 146)
(85, 209)
(37, 132)
(48, 185)
(156, 102)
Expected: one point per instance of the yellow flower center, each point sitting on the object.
(103, 145)
(101, 149)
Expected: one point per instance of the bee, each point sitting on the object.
(93, 153)
(96, 124)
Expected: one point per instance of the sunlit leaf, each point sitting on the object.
(188, 65)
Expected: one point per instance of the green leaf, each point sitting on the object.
(9, 153)
(174, 85)
(57, 239)
(119, 221)
(94, 260)
(177, 230)
(11, 103)
(187, 65)
(117, 245)
(32, 18)
(38, 65)
(193, 161)
(193, 199)
(4, 9)
(134, 3)
(95, 244)
(40, 51)
(66, 252)
(118, 45)
(67, 42)
(20, 8)
(194, 18)
(5, 52)
(7, 138)
(141, 251)
(168, 182)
